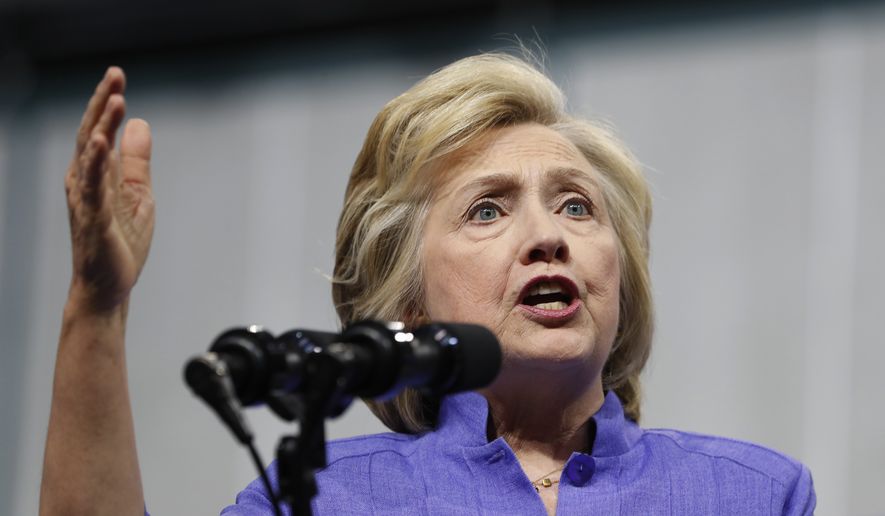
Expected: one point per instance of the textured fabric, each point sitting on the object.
(455, 471)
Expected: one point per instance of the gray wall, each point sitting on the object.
(762, 139)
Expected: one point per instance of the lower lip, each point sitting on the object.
(553, 315)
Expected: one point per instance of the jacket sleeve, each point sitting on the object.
(801, 500)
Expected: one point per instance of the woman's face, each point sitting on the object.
(518, 239)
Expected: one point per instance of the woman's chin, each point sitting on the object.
(552, 348)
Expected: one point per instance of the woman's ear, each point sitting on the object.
(416, 318)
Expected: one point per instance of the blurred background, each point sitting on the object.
(760, 125)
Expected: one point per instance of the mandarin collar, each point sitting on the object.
(463, 417)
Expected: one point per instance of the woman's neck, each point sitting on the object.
(543, 422)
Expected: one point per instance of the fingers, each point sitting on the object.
(93, 165)
(95, 137)
(110, 119)
(113, 82)
(94, 161)
(135, 152)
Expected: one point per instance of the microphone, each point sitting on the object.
(380, 359)
(369, 359)
(259, 364)
(248, 366)
(209, 377)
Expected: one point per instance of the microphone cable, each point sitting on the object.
(259, 464)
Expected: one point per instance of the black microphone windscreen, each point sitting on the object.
(479, 357)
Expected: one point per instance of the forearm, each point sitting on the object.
(91, 464)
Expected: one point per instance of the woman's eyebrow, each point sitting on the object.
(498, 182)
(502, 183)
(572, 176)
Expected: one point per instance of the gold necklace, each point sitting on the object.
(545, 481)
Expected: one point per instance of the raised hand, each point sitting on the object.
(110, 204)
(91, 464)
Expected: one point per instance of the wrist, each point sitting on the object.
(89, 332)
(83, 303)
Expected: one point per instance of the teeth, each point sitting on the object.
(546, 287)
(555, 305)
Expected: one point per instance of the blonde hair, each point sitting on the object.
(380, 230)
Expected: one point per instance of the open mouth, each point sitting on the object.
(549, 294)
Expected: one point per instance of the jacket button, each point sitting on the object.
(580, 469)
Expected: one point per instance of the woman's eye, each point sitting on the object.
(485, 213)
(576, 208)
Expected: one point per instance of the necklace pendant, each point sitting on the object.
(546, 482)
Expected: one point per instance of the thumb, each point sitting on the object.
(135, 152)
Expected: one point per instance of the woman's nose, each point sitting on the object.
(545, 241)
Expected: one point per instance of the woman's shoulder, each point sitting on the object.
(745, 454)
(361, 446)
(359, 456)
(346, 478)
(736, 463)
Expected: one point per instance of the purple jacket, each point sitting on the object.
(454, 470)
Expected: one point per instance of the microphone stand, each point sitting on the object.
(308, 376)
(299, 456)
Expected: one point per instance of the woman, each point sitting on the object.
(475, 198)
